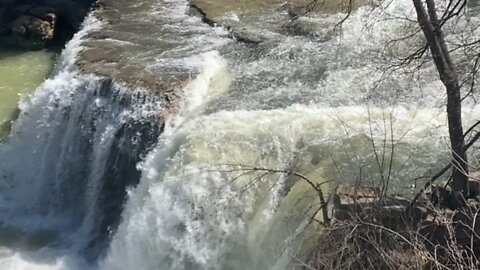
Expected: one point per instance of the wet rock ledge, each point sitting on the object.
(243, 18)
(36, 24)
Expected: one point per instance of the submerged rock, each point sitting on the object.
(251, 14)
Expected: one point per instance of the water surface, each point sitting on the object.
(20, 73)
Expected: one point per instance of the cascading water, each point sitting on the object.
(315, 105)
(198, 208)
(70, 155)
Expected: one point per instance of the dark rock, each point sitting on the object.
(41, 11)
(34, 24)
(304, 26)
(132, 142)
(250, 35)
(34, 32)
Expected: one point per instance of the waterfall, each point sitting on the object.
(202, 202)
(101, 175)
(72, 153)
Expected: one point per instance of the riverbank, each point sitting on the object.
(373, 231)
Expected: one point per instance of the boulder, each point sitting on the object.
(366, 204)
(34, 23)
(32, 32)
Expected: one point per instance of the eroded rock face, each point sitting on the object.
(35, 24)
(33, 32)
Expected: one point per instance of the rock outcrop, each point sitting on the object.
(36, 24)
(33, 32)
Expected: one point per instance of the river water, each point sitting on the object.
(95, 176)
(20, 73)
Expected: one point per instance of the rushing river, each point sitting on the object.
(97, 174)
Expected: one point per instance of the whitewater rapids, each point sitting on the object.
(95, 176)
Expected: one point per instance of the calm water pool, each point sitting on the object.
(20, 73)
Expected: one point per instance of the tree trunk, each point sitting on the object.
(455, 128)
(432, 30)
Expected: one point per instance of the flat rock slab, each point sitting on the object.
(143, 43)
(146, 44)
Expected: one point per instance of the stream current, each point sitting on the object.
(93, 177)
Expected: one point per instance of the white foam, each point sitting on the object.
(149, 203)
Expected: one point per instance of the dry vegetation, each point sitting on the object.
(393, 234)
